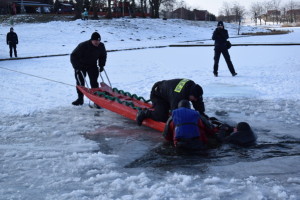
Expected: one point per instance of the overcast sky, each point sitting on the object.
(214, 6)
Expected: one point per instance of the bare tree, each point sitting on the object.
(239, 13)
(267, 5)
(143, 5)
(291, 6)
(155, 6)
(256, 11)
(133, 8)
(95, 9)
(226, 11)
(109, 15)
(78, 9)
(168, 6)
(276, 7)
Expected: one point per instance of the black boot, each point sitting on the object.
(141, 115)
(78, 102)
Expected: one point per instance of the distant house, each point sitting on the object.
(293, 12)
(32, 6)
(274, 15)
(293, 15)
(273, 12)
(65, 8)
(183, 13)
(201, 15)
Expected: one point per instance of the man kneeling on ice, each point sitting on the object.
(165, 96)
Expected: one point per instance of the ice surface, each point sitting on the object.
(52, 150)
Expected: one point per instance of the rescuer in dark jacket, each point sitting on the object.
(165, 96)
(12, 41)
(220, 37)
(84, 59)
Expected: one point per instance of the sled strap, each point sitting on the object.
(186, 124)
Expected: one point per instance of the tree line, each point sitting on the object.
(142, 6)
(262, 11)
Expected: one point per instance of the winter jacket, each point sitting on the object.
(166, 91)
(86, 55)
(220, 37)
(12, 38)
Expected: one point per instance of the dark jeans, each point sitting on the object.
(227, 59)
(93, 74)
(12, 47)
(161, 108)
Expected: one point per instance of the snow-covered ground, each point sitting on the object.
(53, 150)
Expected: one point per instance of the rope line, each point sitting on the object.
(37, 76)
(101, 94)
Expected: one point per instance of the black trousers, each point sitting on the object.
(93, 74)
(226, 55)
(11, 48)
(161, 108)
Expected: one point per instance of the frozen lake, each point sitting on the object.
(53, 150)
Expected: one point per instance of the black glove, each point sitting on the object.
(101, 68)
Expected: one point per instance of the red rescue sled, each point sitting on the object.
(120, 103)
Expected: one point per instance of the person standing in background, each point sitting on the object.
(220, 37)
(12, 41)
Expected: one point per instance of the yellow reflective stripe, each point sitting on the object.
(180, 85)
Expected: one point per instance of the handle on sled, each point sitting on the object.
(78, 79)
(106, 78)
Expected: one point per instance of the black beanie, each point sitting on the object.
(196, 91)
(220, 23)
(243, 126)
(96, 36)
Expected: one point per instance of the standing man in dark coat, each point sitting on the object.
(165, 96)
(12, 41)
(84, 59)
(220, 37)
